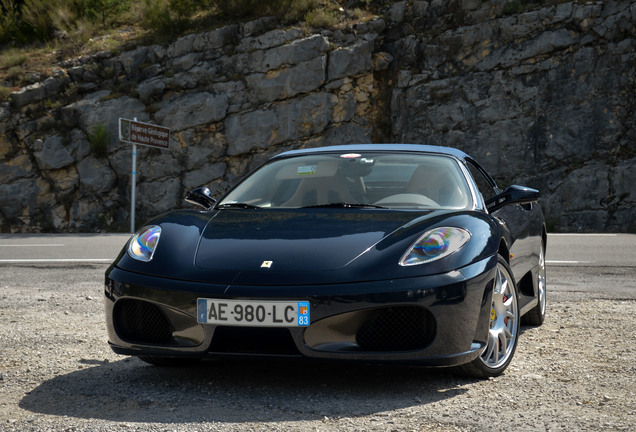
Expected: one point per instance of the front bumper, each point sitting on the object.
(438, 320)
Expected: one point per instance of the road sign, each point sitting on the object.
(135, 132)
(147, 134)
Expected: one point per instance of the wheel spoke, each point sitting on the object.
(508, 302)
(504, 286)
(507, 333)
(488, 352)
(503, 341)
(494, 356)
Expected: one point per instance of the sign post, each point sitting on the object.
(133, 187)
(134, 132)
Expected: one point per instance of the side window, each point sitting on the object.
(483, 183)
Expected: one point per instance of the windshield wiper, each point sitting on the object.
(239, 205)
(344, 205)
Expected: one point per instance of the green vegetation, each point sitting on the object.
(514, 7)
(98, 138)
(24, 22)
(37, 34)
(27, 21)
(286, 10)
(170, 16)
(322, 18)
(14, 58)
(4, 93)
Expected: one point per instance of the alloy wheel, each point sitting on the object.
(504, 322)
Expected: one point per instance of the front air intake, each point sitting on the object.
(399, 328)
(141, 322)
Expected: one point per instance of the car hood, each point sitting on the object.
(291, 247)
(293, 241)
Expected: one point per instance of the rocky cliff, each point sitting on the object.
(543, 97)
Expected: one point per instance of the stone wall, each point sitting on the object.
(543, 98)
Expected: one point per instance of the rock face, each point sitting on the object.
(544, 97)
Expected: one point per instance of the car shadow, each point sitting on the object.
(238, 391)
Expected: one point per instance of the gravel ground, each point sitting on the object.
(576, 372)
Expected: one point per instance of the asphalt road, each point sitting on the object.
(60, 248)
(564, 250)
(596, 250)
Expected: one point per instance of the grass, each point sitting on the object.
(4, 93)
(24, 65)
(323, 18)
(13, 57)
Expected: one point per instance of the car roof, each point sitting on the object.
(420, 148)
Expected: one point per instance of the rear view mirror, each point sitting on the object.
(512, 195)
(202, 197)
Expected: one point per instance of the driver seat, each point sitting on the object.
(436, 184)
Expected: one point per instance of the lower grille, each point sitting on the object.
(253, 340)
(139, 321)
(399, 328)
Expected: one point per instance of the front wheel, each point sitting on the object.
(503, 331)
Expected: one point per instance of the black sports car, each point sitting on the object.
(379, 252)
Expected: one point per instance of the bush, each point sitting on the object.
(99, 138)
(322, 18)
(250, 8)
(42, 19)
(4, 93)
(105, 11)
(514, 7)
(170, 17)
(27, 21)
(286, 10)
(298, 9)
(9, 20)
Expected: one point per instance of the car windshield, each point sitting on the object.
(375, 180)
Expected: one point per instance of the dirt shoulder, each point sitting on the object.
(576, 372)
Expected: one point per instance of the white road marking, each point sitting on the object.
(56, 260)
(583, 235)
(33, 245)
(567, 262)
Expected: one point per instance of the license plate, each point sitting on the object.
(254, 313)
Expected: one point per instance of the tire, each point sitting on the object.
(503, 332)
(536, 315)
(169, 361)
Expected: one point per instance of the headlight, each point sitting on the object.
(435, 244)
(143, 244)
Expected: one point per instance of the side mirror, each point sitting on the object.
(201, 196)
(512, 195)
